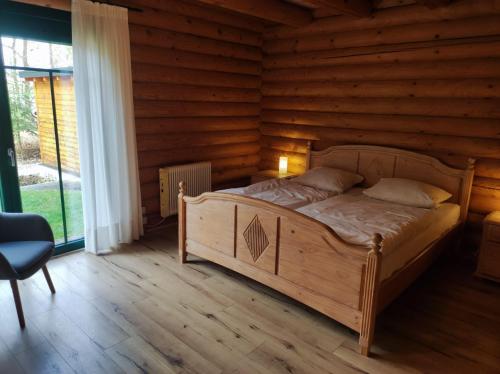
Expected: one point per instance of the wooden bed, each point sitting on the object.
(304, 258)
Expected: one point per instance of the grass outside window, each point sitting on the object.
(47, 202)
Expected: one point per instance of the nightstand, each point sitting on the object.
(263, 175)
(488, 265)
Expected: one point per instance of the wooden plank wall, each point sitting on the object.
(409, 77)
(196, 77)
(66, 122)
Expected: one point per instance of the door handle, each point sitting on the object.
(12, 155)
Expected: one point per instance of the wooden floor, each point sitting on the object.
(140, 311)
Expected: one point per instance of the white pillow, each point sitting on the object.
(407, 192)
(329, 179)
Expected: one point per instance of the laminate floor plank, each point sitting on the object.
(103, 331)
(157, 241)
(203, 299)
(131, 319)
(74, 346)
(64, 278)
(307, 326)
(282, 340)
(135, 355)
(8, 362)
(202, 334)
(43, 359)
(104, 280)
(280, 359)
(180, 319)
(35, 300)
(411, 358)
(14, 338)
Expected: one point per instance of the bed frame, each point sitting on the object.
(304, 258)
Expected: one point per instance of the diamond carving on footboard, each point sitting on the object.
(256, 238)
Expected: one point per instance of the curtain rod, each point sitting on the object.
(107, 2)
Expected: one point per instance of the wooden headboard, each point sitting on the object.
(374, 162)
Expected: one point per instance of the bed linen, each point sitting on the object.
(356, 218)
(283, 192)
(405, 230)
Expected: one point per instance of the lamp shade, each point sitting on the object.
(283, 165)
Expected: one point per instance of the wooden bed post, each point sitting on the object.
(464, 207)
(370, 295)
(182, 223)
(466, 188)
(308, 155)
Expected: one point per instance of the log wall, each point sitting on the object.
(196, 77)
(409, 77)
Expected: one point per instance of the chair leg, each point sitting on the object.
(17, 300)
(48, 279)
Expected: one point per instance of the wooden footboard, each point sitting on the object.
(287, 251)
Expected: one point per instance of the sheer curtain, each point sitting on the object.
(106, 128)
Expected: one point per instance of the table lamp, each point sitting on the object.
(283, 165)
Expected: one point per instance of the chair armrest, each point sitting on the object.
(24, 227)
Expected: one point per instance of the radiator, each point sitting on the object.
(198, 178)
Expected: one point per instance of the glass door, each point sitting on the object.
(44, 152)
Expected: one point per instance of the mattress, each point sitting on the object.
(283, 192)
(405, 230)
(443, 219)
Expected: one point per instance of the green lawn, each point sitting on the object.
(47, 203)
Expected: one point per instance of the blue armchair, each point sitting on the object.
(26, 244)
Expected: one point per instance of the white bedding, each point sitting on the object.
(442, 220)
(282, 192)
(356, 218)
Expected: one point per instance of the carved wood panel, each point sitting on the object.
(256, 237)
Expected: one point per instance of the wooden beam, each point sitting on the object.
(434, 3)
(270, 10)
(54, 4)
(359, 8)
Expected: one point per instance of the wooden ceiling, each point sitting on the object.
(301, 12)
(292, 13)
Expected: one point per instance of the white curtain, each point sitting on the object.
(106, 128)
